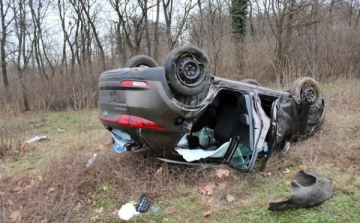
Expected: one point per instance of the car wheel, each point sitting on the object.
(187, 70)
(306, 89)
(141, 60)
(251, 81)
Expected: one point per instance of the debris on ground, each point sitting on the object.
(154, 209)
(143, 204)
(36, 139)
(308, 189)
(127, 211)
(91, 161)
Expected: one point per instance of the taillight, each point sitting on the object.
(134, 84)
(134, 121)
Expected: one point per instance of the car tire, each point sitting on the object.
(141, 60)
(307, 90)
(251, 81)
(187, 70)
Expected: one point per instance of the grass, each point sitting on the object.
(48, 182)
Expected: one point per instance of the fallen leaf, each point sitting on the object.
(93, 203)
(16, 189)
(159, 171)
(230, 198)
(286, 171)
(99, 210)
(50, 190)
(94, 218)
(27, 187)
(302, 167)
(165, 220)
(60, 130)
(15, 216)
(105, 146)
(32, 182)
(222, 186)
(208, 189)
(207, 213)
(105, 188)
(221, 172)
(39, 178)
(245, 202)
(44, 221)
(266, 174)
(288, 182)
(210, 202)
(101, 147)
(78, 206)
(23, 147)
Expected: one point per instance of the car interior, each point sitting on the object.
(227, 117)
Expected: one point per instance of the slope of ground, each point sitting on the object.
(49, 180)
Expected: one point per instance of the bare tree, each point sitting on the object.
(144, 7)
(198, 30)
(156, 31)
(87, 7)
(130, 23)
(5, 22)
(284, 17)
(251, 21)
(38, 12)
(24, 45)
(70, 36)
(81, 40)
(174, 32)
(209, 29)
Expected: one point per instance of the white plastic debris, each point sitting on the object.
(91, 161)
(196, 154)
(127, 211)
(37, 138)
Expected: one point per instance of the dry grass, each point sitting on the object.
(11, 136)
(50, 182)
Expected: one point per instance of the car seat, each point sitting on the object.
(225, 124)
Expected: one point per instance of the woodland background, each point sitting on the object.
(52, 52)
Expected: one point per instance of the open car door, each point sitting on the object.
(249, 138)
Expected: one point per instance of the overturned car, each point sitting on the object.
(180, 113)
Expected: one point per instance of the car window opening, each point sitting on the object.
(227, 116)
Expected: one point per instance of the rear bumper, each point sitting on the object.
(154, 103)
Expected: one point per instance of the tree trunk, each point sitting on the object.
(4, 26)
(23, 91)
(95, 33)
(147, 34)
(252, 28)
(24, 51)
(156, 32)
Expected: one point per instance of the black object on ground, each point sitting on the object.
(144, 204)
(308, 189)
